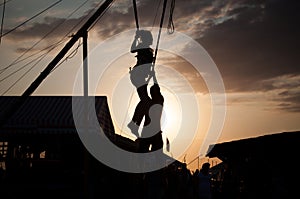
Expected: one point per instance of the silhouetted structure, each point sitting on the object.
(204, 182)
(43, 152)
(41, 155)
(260, 167)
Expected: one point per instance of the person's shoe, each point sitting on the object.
(134, 128)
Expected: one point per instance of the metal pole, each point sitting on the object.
(62, 53)
(85, 65)
(85, 111)
(6, 114)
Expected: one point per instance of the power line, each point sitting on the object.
(52, 30)
(18, 60)
(35, 84)
(72, 54)
(52, 64)
(2, 20)
(25, 73)
(43, 55)
(39, 59)
(30, 19)
(14, 72)
(6, 1)
(99, 17)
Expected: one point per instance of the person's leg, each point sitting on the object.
(141, 110)
(157, 142)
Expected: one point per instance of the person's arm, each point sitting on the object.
(134, 44)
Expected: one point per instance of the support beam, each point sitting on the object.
(85, 65)
(6, 114)
(86, 112)
(67, 47)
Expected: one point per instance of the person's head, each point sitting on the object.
(146, 37)
(205, 167)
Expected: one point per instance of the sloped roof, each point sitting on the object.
(51, 114)
(267, 146)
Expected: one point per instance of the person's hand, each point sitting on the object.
(137, 34)
(152, 72)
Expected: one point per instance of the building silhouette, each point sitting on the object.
(258, 167)
(42, 156)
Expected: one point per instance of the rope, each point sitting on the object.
(135, 14)
(159, 33)
(171, 26)
(158, 38)
(70, 56)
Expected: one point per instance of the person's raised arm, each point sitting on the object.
(134, 44)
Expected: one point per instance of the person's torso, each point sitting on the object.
(144, 56)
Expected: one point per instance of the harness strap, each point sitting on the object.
(135, 15)
(160, 27)
(159, 33)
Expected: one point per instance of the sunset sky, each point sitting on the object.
(253, 43)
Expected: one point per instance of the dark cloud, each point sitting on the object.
(251, 41)
(191, 75)
(121, 16)
(261, 43)
(116, 20)
(289, 101)
(51, 29)
(287, 89)
(248, 51)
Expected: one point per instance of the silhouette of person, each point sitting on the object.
(151, 134)
(229, 185)
(204, 182)
(140, 75)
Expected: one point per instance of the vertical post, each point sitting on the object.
(85, 65)
(85, 112)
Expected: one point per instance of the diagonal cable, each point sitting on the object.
(52, 30)
(13, 29)
(2, 20)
